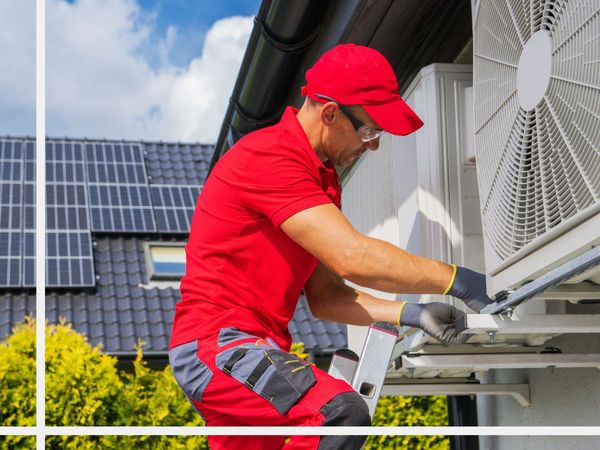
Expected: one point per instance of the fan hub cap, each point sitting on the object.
(533, 73)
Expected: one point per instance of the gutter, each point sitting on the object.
(282, 32)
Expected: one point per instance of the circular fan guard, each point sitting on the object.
(537, 168)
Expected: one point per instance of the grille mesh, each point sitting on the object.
(536, 168)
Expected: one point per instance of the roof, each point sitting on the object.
(122, 307)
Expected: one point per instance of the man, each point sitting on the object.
(268, 225)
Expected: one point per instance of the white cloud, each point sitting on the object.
(17, 75)
(100, 81)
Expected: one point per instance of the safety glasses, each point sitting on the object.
(365, 133)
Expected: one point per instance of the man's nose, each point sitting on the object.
(372, 145)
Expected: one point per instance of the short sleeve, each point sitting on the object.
(284, 187)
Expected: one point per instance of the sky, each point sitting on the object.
(125, 69)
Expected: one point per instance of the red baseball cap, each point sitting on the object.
(357, 75)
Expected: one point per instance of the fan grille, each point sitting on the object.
(537, 168)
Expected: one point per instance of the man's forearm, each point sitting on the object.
(328, 236)
(380, 265)
(347, 305)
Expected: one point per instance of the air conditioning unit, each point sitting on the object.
(419, 192)
(536, 70)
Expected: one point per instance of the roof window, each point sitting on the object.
(165, 260)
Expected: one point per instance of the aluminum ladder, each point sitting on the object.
(367, 373)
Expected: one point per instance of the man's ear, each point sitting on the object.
(329, 113)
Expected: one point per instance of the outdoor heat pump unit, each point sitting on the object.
(536, 72)
(503, 178)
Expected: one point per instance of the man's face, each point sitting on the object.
(345, 145)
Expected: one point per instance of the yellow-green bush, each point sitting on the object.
(17, 384)
(17, 376)
(84, 387)
(17, 442)
(406, 412)
(82, 383)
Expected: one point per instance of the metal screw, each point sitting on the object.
(411, 372)
(492, 335)
(509, 311)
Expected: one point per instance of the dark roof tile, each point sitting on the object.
(194, 156)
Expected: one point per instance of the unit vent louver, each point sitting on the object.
(537, 118)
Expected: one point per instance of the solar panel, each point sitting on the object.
(69, 261)
(174, 207)
(28, 248)
(119, 196)
(11, 199)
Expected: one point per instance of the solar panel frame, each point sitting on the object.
(119, 195)
(69, 257)
(11, 205)
(174, 206)
(29, 193)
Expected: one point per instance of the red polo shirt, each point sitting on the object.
(241, 269)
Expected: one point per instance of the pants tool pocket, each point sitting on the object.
(279, 377)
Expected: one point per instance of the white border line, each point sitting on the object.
(40, 261)
(310, 431)
(42, 432)
(17, 431)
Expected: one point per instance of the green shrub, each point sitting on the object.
(17, 442)
(127, 442)
(17, 384)
(17, 376)
(410, 411)
(84, 387)
(82, 383)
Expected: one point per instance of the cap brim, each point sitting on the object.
(395, 117)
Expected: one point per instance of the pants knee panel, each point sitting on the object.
(346, 409)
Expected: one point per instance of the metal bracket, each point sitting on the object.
(584, 290)
(530, 324)
(485, 361)
(553, 278)
(520, 392)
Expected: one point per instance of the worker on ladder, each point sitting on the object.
(267, 225)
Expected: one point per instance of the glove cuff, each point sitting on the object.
(410, 315)
(454, 270)
(402, 305)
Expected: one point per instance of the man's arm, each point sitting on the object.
(326, 234)
(329, 298)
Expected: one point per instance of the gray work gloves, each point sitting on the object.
(436, 319)
(470, 287)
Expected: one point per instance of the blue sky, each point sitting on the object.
(125, 69)
(193, 18)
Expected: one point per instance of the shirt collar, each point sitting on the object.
(292, 126)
